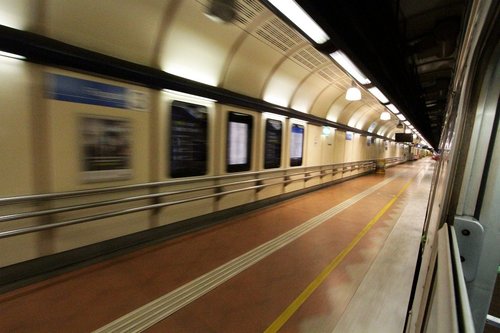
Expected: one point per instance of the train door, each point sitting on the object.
(460, 256)
(476, 221)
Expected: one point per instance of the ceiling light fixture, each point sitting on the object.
(353, 93)
(392, 108)
(346, 63)
(378, 94)
(385, 116)
(401, 117)
(301, 19)
(12, 55)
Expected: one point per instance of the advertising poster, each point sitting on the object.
(272, 148)
(239, 141)
(296, 145)
(238, 137)
(188, 140)
(106, 149)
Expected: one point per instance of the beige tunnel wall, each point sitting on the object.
(59, 154)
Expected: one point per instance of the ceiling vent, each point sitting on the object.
(221, 10)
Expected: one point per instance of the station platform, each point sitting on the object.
(340, 259)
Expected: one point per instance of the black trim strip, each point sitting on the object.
(50, 52)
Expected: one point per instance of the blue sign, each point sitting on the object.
(70, 89)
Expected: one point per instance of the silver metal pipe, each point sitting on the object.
(287, 180)
(132, 187)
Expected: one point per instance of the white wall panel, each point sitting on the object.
(16, 154)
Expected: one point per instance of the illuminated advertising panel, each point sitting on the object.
(188, 140)
(239, 141)
(296, 145)
(272, 144)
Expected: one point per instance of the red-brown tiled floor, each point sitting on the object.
(251, 301)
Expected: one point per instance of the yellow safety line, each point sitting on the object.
(295, 305)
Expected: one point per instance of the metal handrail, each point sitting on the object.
(306, 175)
(18, 216)
(132, 187)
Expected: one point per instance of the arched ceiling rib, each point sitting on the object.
(358, 115)
(348, 112)
(165, 26)
(326, 100)
(196, 46)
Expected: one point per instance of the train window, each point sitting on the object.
(272, 144)
(239, 141)
(188, 140)
(106, 145)
(296, 145)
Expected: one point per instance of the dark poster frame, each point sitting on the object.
(297, 129)
(273, 142)
(242, 121)
(188, 140)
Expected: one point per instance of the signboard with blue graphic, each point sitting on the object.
(71, 89)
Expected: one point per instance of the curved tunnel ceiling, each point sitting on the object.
(257, 55)
(408, 47)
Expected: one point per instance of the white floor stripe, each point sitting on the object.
(157, 310)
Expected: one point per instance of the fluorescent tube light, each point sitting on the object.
(378, 94)
(183, 95)
(401, 117)
(273, 116)
(392, 108)
(301, 19)
(12, 55)
(349, 67)
(407, 123)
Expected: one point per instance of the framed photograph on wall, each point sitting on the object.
(105, 149)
